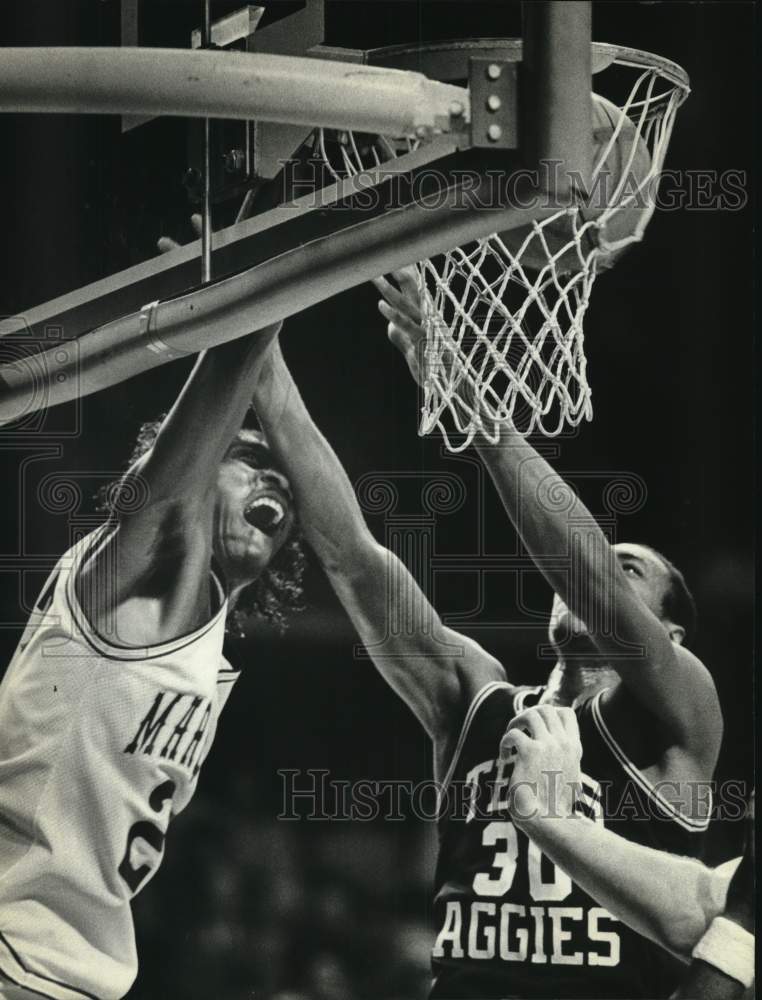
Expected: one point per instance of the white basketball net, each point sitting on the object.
(505, 339)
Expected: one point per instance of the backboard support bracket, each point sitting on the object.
(243, 154)
(494, 103)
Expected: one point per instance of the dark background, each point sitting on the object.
(244, 902)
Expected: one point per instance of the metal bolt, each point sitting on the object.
(494, 132)
(456, 109)
(494, 71)
(494, 103)
(421, 131)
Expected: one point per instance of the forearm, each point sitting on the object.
(421, 660)
(206, 416)
(575, 557)
(540, 505)
(552, 522)
(328, 510)
(669, 899)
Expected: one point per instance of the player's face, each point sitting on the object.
(646, 574)
(254, 511)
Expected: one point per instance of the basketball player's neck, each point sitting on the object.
(568, 681)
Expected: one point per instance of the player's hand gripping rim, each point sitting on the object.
(401, 308)
(406, 329)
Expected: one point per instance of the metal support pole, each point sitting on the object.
(206, 217)
(556, 82)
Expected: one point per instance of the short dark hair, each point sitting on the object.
(678, 604)
(275, 594)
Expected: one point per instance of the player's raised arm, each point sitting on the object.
(150, 581)
(162, 552)
(669, 899)
(611, 593)
(614, 594)
(431, 667)
(183, 462)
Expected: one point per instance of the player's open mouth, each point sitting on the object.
(266, 513)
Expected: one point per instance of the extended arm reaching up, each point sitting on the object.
(601, 587)
(431, 667)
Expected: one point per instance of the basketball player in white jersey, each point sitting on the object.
(111, 701)
(651, 708)
(702, 915)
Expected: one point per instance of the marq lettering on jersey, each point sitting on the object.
(173, 729)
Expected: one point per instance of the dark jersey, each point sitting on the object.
(509, 923)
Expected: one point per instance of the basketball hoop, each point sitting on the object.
(504, 315)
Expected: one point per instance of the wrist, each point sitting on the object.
(546, 826)
(539, 816)
(263, 342)
(741, 915)
(728, 947)
(267, 357)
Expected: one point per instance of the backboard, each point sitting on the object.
(280, 209)
(151, 171)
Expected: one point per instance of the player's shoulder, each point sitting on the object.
(475, 674)
(689, 662)
(69, 565)
(80, 550)
(475, 730)
(695, 699)
(482, 723)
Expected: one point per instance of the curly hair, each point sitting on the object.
(274, 595)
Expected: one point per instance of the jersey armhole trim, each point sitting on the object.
(36, 982)
(687, 822)
(521, 696)
(478, 699)
(109, 650)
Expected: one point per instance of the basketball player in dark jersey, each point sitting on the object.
(704, 916)
(508, 923)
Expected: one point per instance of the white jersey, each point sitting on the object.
(100, 745)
